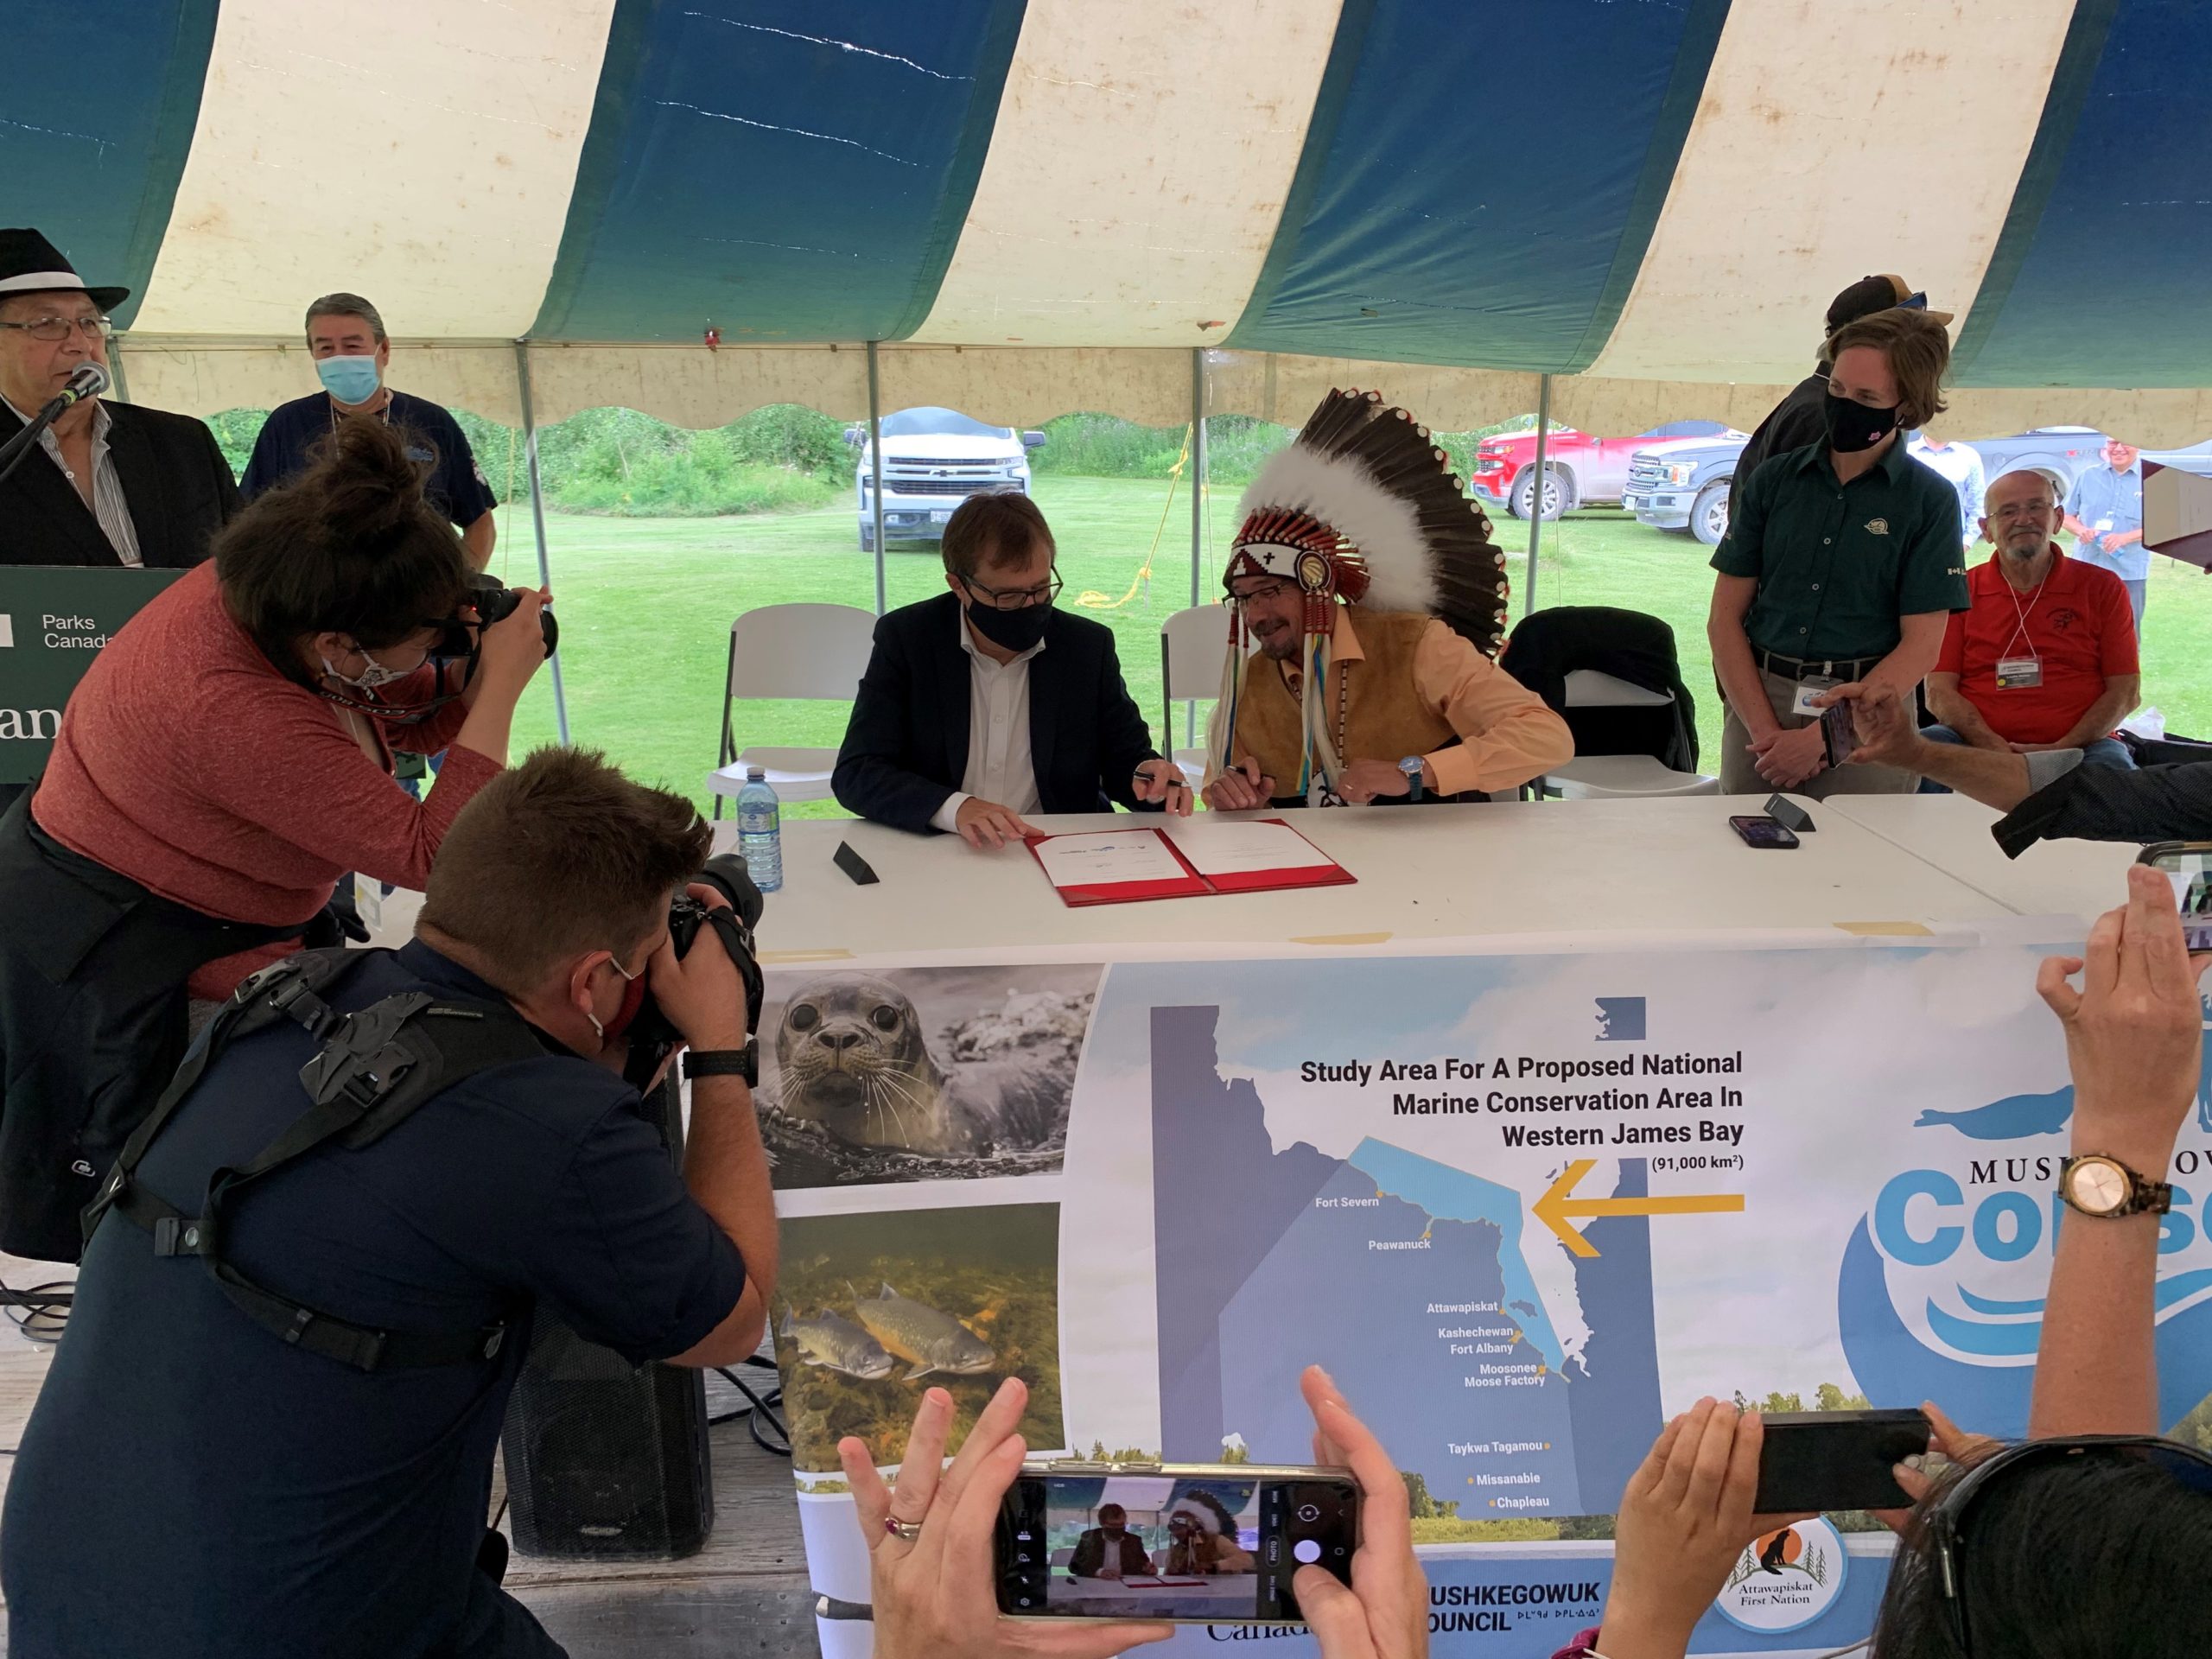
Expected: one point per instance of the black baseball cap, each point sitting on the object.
(1871, 294)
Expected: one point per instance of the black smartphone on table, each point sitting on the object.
(1814, 1462)
(1189, 1543)
(1758, 831)
(2187, 865)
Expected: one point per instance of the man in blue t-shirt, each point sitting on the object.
(2104, 510)
(351, 352)
(191, 1482)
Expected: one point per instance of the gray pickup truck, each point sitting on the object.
(1684, 485)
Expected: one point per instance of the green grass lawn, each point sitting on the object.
(645, 607)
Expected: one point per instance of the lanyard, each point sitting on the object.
(2020, 627)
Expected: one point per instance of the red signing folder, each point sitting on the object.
(1113, 866)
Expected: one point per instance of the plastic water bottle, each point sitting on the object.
(759, 831)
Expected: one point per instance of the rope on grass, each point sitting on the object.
(1091, 599)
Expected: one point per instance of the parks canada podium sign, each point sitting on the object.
(53, 620)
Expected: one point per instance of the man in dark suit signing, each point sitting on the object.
(987, 702)
(1110, 1550)
(117, 485)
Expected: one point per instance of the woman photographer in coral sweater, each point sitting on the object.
(226, 759)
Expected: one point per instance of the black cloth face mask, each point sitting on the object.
(1014, 630)
(1854, 426)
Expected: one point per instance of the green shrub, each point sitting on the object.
(793, 436)
(235, 430)
(1103, 446)
(704, 480)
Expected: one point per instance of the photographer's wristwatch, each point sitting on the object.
(725, 1063)
(2107, 1189)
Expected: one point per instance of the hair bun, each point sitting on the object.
(367, 485)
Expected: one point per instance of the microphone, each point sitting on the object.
(89, 381)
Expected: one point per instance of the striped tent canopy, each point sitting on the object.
(1040, 205)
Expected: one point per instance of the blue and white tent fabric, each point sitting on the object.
(1041, 205)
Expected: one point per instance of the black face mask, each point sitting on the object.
(1854, 426)
(1014, 630)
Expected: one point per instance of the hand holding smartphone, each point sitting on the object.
(1196, 1543)
(2187, 865)
(1820, 1461)
(1838, 732)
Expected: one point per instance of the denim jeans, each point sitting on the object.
(2100, 752)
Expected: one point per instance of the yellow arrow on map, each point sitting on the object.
(1555, 1207)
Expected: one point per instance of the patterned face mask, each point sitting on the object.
(373, 675)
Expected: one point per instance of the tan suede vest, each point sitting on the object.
(1387, 718)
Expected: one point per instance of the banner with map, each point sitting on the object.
(1523, 1207)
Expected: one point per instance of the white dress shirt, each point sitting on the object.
(1000, 765)
(109, 507)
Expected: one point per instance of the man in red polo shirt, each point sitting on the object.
(2044, 658)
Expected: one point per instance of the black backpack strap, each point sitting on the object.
(375, 1069)
(294, 987)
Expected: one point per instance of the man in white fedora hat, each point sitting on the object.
(116, 484)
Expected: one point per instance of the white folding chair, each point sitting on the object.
(1612, 777)
(1192, 645)
(790, 650)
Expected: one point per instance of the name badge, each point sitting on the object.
(1807, 690)
(2017, 673)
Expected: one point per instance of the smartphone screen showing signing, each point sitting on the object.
(2191, 872)
(1206, 1548)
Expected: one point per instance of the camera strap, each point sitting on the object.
(372, 1069)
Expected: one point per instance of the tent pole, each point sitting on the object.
(1198, 516)
(115, 369)
(537, 520)
(1536, 492)
(876, 468)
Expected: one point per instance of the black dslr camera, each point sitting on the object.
(651, 1036)
(492, 600)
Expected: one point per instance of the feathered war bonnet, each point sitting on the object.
(1361, 506)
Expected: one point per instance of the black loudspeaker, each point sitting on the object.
(607, 1462)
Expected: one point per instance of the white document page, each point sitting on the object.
(1106, 857)
(1217, 847)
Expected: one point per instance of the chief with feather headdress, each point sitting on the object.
(1367, 581)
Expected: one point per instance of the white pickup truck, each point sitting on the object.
(933, 460)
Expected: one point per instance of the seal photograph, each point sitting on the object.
(873, 1309)
(920, 1073)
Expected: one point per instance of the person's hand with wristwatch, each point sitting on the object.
(1366, 780)
(2134, 1041)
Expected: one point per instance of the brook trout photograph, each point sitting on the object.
(873, 1309)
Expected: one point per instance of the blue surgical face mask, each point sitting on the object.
(349, 379)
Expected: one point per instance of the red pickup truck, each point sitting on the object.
(1578, 470)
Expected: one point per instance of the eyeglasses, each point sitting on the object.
(1266, 594)
(1015, 599)
(2013, 510)
(50, 329)
(1946, 1521)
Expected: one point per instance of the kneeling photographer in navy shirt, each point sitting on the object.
(310, 1282)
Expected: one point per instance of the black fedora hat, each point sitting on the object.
(31, 264)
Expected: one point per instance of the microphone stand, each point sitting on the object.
(13, 451)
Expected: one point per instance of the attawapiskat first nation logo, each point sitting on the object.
(1785, 1580)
